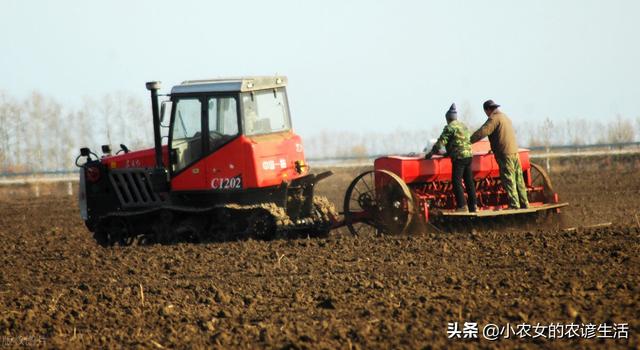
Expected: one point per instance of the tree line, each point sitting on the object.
(545, 133)
(38, 133)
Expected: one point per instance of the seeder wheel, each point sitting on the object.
(540, 178)
(378, 201)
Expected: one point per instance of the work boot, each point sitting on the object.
(473, 210)
(462, 210)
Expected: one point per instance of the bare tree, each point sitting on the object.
(52, 137)
(547, 132)
(36, 126)
(18, 129)
(5, 132)
(84, 131)
(66, 141)
(598, 133)
(105, 113)
(620, 130)
(138, 125)
(576, 131)
(467, 116)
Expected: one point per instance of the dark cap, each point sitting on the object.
(489, 104)
(452, 113)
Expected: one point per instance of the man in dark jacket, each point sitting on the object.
(502, 138)
(455, 138)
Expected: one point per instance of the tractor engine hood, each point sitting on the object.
(135, 159)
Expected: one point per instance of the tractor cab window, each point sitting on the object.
(265, 112)
(223, 121)
(187, 141)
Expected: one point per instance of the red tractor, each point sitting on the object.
(232, 165)
(409, 191)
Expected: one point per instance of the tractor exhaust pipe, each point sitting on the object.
(154, 86)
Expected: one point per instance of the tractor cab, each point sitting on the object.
(231, 134)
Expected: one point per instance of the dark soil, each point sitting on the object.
(59, 289)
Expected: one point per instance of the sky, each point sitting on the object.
(369, 66)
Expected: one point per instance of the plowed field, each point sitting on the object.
(59, 289)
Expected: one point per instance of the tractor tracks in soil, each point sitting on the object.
(370, 291)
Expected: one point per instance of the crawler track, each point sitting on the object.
(173, 224)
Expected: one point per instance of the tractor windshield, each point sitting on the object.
(265, 112)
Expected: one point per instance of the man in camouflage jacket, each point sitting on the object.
(502, 138)
(455, 139)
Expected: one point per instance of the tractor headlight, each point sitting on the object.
(92, 174)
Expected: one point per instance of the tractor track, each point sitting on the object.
(174, 224)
